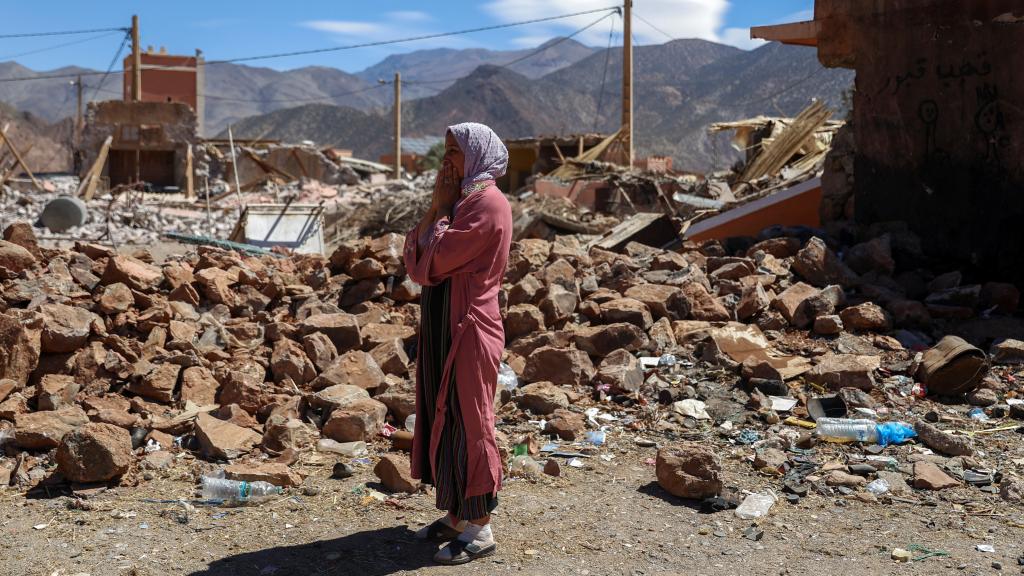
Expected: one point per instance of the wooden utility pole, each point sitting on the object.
(627, 81)
(398, 125)
(136, 62)
(78, 116)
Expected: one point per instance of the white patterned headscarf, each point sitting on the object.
(486, 155)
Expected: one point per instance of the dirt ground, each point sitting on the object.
(609, 517)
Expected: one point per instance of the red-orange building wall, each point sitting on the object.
(165, 78)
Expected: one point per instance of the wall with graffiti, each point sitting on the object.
(939, 123)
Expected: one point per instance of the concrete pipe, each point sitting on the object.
(63, 213)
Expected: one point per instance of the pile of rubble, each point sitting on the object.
(111, 363)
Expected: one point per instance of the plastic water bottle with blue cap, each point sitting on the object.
(237, 491)
(864, 430)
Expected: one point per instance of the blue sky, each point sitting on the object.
(226, 29)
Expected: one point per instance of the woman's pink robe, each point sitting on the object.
(473, 251)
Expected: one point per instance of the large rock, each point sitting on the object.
(663, 301)
(627, 310)
(568, 426)
(822, 303)
(702, 305)
(15, 258)
(43, 430)
(157, 382)
(875, 255)
(753, 299)
(21, 233)
(867, 317)
(359, 420)
(836, 371)
(558, 304)
(134, 273)
(319, 349)
(341, 328)
(199, 386)
(1008, 351)
(273, 472)
(95, 453)
(939, 441)
(115, 298)
(56, 391)
(391, 357)
(20, 345)
(333, 397)
(602, 340)
(541, 398)
(819, 266)
(66, 328)
(289, 360)
(395, 474)
(928, 476)
(562, 366)
(355, 368)
(282, 433)
(523, 319)
(688, 471)
(620, 371)
(789, 300)
(223, 440)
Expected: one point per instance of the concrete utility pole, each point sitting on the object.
(398, 125)
(136, 62)
(627, 80)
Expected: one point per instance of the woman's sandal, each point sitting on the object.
(459, 552)
(439, 531)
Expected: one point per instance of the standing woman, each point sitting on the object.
(458, 253)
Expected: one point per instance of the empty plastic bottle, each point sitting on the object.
(410, 423)
(863, 430)
(878, 486)
(237, 491)
(507, 378)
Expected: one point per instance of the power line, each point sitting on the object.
(337, 48)
(784, 90)
(644, 20)
(535, 52)
(112, 62)
(56, 46)
(61, 33)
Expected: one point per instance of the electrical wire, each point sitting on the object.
(604, 76)
(339, 48)
(784, 90)
(62, 33)
(56, 46)
(113, 61)
(531, 54)
(644, 20)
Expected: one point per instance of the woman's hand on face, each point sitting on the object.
(446, 188)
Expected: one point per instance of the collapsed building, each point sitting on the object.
(938, 136)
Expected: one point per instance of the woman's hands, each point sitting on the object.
(446, 190)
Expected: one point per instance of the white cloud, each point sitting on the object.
(409, 16)
(801, 16)
(345, 27)
(679, 18)
(530, 41)
(740, 38)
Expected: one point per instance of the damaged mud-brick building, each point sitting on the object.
(150, 139)
(938, 124)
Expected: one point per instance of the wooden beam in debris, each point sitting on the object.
(777, 153)
(650, 228)
(267, 166)
(87, 187)
(190, 191)
(5, 139)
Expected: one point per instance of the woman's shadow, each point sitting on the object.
(369, 553)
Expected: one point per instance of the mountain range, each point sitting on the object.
(560, 87)
(679, 89)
